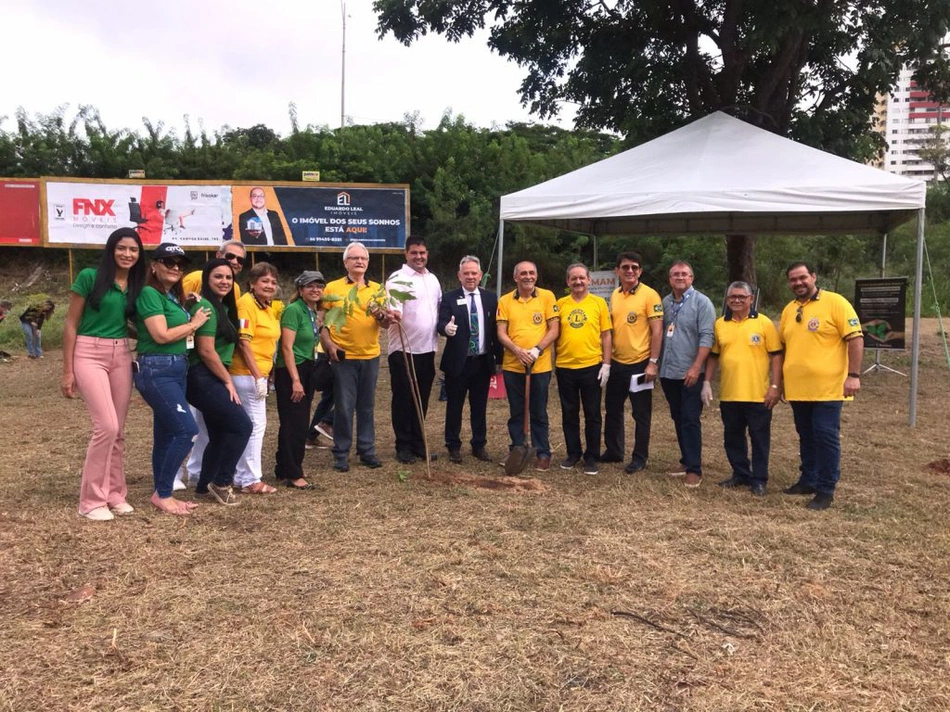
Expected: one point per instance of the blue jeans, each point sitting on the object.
(34, 341)
(354, 391)
(686, 406)
(538, 410)
(819, 443)
(323, 413)
(229, 427)
(161, 381)
(737, 418)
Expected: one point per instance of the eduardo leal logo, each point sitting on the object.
(343, 198)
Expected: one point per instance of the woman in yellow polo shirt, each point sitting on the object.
(97, 361)
(259, 330)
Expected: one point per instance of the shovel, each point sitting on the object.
(519, 455)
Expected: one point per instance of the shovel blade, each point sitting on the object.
(518, 458)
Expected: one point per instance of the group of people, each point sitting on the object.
(206, 355)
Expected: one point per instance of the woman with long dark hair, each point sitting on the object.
(98, 362)
(210, 388)
(165, 333)
(300, 325)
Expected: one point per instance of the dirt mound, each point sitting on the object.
(941, 467)
(510, 484)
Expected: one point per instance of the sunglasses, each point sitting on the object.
(798, 314)
(229, 256)
(629, 268)
(172, 263)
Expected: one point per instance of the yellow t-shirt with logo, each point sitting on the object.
(527, 321)
(260, 327)
(816, 348)
(744, 349)
(582, 323)
(359, 336)
(631, 313)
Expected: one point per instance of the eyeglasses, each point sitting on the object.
(229, 256)
(738, 297)
(171, 263)
(629, 268)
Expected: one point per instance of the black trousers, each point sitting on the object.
(641, 403)
(473, 382)
(405, 418)
(294, 422)
(576, 387)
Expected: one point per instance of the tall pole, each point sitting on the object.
(343, 67)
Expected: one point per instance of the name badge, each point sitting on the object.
(190, 343)
(670, 329)
(461, 301)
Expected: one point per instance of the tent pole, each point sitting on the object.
(596, 261)
(915, 343)
(501, 252)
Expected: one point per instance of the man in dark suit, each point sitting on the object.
(260, 226)
(472, 350)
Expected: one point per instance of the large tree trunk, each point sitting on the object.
(740, 258)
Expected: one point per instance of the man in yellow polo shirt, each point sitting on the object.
(527, 326)
(636, 312)
(823, 351)
(748, 353)
(583, 365)
(354, 354)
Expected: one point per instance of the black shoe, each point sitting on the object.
(481, 454)
(422, 456)
(341, 465)
(569, 462)
(821, 501)
(591, 467)
(635, 466)
(455, 455)
(799, 488)
(611, 457)
(370, 461)
(758, 489)
(733, 482)
(405, 457)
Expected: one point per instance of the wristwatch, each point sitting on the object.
(654, 361)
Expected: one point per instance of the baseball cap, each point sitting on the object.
(309, 276)
(170, 249)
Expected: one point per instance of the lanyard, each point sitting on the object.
(174, 299)
(677, 306)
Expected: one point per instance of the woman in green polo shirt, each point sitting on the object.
(210, 388)
(166, 332)
(299, 335)
(98, 362)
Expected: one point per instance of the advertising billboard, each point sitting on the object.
(80, 213)
(19, 212)
(321, 216)
(881, 305)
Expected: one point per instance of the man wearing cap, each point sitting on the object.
(583, 366)
(260, 226)
(824, 347)
(472, 352)
(636, 312)
(688, 325)
(353, 349)
(527, 326)
(748, 355)
(234, 252)
(416, 339)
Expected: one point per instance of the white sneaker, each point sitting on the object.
(178, 485)
(123, 509)
(99, 514)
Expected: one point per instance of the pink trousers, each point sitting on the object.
(103, 370)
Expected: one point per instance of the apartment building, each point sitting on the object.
(907, 116)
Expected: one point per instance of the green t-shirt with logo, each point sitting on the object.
(152, 302)
(298, 317)
(224, 348)
(108, 321)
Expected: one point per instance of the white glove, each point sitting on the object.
(451, 327)
(603, 375)
(535, 353)
(261, 385)
(706, 394)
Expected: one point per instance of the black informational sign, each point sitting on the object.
(881, 305)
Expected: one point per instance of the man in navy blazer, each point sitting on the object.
(472, 350)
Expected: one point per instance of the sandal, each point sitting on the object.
(258, 488)
(305, 486)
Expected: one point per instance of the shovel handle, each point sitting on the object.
(527, 404)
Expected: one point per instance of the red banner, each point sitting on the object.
(19, 212)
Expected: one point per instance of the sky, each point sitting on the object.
(238, 63)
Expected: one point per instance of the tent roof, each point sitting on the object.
(720, 175)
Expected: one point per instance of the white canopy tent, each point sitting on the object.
(720, 175)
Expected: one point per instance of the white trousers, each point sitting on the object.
(249, 466)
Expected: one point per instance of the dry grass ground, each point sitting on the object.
(384, 591)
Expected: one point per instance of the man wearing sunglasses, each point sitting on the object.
(748, 354)
(636, 311)
(824, 346)
(233, 251)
